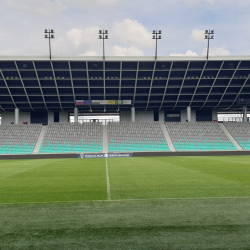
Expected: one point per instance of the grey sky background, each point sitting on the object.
(130, 24)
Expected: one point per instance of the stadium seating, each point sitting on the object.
(241, 133)
(198, 136)
(18, 139)
(136, 136)
(73, 138)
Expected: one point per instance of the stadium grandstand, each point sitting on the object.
(168, 104)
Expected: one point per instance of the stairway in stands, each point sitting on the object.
(40, 140)
(167, 137)
(105, 139)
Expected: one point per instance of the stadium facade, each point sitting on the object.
(34, 89)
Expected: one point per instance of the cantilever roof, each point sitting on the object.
(169, 83)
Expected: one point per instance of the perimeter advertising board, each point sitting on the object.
(101, 155)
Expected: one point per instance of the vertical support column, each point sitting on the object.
(244, 113)
(76, 114)
(189, 114)
(16, 116)
(133, 114)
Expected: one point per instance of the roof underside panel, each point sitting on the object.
(39, 84)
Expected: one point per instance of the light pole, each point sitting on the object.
(156, 36)
(208, 35)
(49, 34)
(103, 35)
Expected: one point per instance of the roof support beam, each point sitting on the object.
(152, 80)
(40, 85)
(228, 85)
(58, 95)
(182, 85)
(72, 84)
(104, 83)
(6, 84)
(213, 85)
(87, 71)
(2, 108)
(136, 79)
(23, 85)
(165, 90)
(120, 82)
(198, 83)
(120, 85)
(240, 91)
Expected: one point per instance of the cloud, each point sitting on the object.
(130, 51)
(197, 35)
(44, 7)
(83, 37)
(89, 53)
(48, 7)
(132, 32)
(216, 51)
(80, 42)
(188, 53)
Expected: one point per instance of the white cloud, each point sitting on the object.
(131, 32)
(188, 53)
(130, 51)
(48, 7)
(80, 37)
(198, 35)
(215, 51)
(89, 53)
(44, 7)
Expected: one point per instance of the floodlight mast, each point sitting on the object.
(103, 34)
(156, 36)
(208, 35)
(50, 35)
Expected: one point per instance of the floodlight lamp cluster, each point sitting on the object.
(209, 34)
(156, 35)
(103, 34)
(49, 33)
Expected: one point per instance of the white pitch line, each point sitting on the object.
(124, 200)
(108, 184)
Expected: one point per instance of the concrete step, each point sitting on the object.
(222, 126)
(40, 140)
(105, 139)
(167, 137)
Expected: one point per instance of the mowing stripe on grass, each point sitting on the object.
(119, 200)
(108, 184)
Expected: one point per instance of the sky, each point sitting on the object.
(130, 24)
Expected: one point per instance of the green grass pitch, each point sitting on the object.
(125, 203)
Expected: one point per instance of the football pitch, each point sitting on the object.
(126, 203)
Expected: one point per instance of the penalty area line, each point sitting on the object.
(108, 183)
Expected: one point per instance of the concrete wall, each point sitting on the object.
(214, 115)
(184, 115)
(9, 117)
(24, 117)
(161, 117)
(140, 116)
(144, 116)
(50, 117)
(125, 116)
(63, 117)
